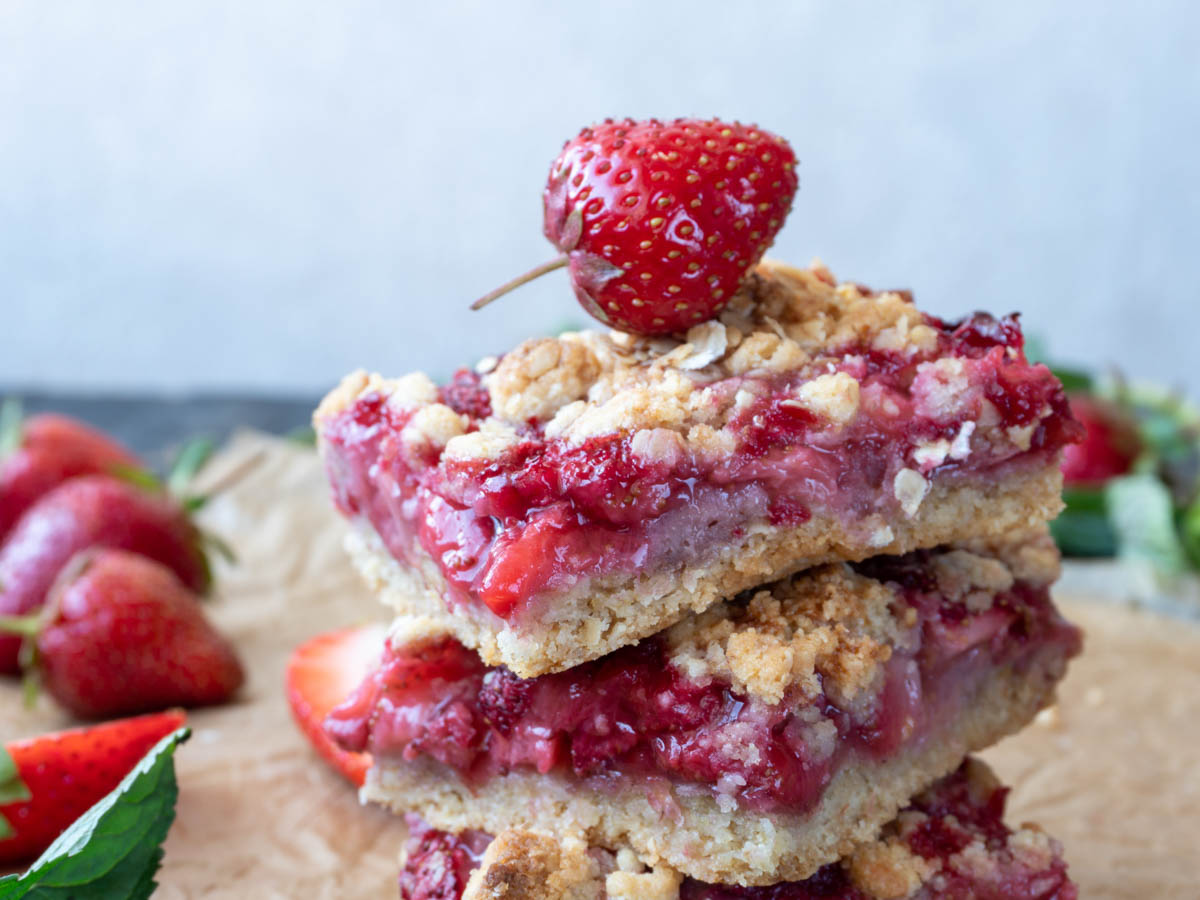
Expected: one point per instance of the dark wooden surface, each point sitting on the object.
(155, 425)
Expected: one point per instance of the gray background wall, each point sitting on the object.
(264, 195)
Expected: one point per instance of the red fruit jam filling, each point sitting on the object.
(547, 513)
(632, 714)
(958, 812)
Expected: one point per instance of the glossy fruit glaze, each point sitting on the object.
(438, 863)
(547, 513)
(633, 714)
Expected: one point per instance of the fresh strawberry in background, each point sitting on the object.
(320, 675)
(1109, 448)
(123, 635)
(93, 511)
(659, 223)
(47, 782)
(40, 453)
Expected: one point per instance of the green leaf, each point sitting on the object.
(305, 435)
(12, 417)
(1083, 528)
(114, 849)
(1073, 379)
(188, 463)
(1189, 533)
(137, 476)
(12, 789)
(1143, 520)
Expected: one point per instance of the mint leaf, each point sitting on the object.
(1143, 519)
(114, 849)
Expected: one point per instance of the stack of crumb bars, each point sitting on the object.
(716, 616)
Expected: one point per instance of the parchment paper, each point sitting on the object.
(1114, 771)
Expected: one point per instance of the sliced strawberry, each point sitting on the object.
(67, 772)
(48, 450)
(85, 512)
(320, 675)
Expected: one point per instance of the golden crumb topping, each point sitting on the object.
(888, 870)
(527, 865)
(784, 321)
(832, 628)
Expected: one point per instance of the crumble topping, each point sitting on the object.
(489, 442)
(533, 866)
(1034, 558)
(833, 397)
(831, 623)
(541, 376)
(942, 389)
(655, 884)
(433, 427)
(888, 870)
(837, 624)
(910, 488)
(783, 321)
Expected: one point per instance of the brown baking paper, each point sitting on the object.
(1113, 771)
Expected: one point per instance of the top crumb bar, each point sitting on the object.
(583, 492)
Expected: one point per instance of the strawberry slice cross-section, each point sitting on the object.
(321, 673)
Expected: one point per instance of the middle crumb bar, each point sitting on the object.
(754, 742)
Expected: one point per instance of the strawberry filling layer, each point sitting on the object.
(943, 822)
(633, 714)
(547, 513)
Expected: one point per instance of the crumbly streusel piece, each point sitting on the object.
(758, 740)
(585, 491)
(951, 840)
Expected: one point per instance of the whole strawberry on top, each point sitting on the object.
(659, 223)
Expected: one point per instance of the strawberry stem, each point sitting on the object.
(556, 263)
(25, 626)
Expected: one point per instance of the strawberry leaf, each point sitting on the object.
(305, 435)
(12, 789)
(114, 849)
(191, 459)
(138, 477)
(12, 418)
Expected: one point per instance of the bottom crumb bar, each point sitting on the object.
(949, 842)
(753, 743)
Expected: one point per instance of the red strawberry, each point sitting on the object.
(92, 511)
(49, 450)
(660, 223)
(125, 636)
(67, 772)
(320, 675)
(1109, 447)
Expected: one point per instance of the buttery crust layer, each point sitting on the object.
(538, 865)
